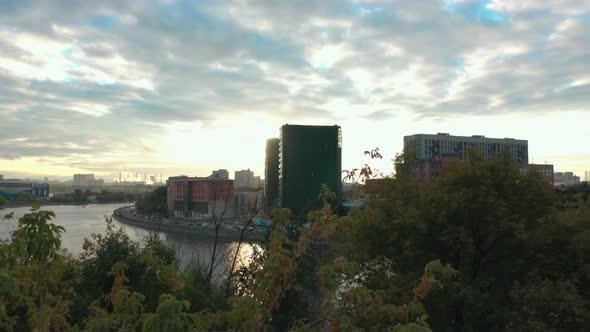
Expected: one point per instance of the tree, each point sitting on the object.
(25, 197)
(483, 217)
(79, 196)
(247, 227)
(154, 203)
(546, 305)
(483, 248)
(36, 280)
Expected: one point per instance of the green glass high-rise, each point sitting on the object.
(309, 157)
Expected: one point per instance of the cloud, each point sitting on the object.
(90, 83)
(562, 7)
(380, 115)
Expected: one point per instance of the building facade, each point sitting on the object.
(13, 188)
(246, 179)
(198, 197)
(87, 180)
(271, 174)
(432, 151)
(309, 156)
(566, 179)
(247, 203)
(546, 171)
(220, 174)
(248, 194)
(83, 180)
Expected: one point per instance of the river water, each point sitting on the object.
(80, 222)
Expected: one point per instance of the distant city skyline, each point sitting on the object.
(99, 88)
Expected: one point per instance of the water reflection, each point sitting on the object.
(80, 222)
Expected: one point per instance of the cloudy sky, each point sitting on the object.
(183, 86)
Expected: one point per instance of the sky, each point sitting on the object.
(188, 86)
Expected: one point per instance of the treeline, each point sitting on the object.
(521, 249)
(153, 203)
(483, 248)
(80, 196)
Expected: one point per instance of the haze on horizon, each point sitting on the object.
(184, 87)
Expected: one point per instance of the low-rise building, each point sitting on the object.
(545, 170)
(13, 188)
(248, 194)
(200, 197)
(220, 174)
(247, 202)
(246, 179)
(566, 179)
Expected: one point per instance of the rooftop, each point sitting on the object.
(466, 137)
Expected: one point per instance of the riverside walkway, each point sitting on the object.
(228, 231)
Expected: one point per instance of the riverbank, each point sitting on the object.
(49, 203)
(226, 232)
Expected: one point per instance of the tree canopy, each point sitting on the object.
(482, 248)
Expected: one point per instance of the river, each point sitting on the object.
(80, 222)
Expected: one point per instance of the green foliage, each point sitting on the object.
(194, 278)
(171, 315)
(545, 305)
(127, 307)
(35, 239)
(491, 223)
(154, 203)
(152, 268)
(36, 279)
(24, 197)
(573, 196)
(80, 196)
(326, 195)
(482, 248)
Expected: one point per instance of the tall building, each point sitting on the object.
(586, 176)
(431, 151)
(271, 174)
(220, 174)
(198, 197)
(309, 157)
(246, 179)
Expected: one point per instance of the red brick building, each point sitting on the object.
(200, 197)
(546, 171)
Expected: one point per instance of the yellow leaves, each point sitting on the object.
(423, 287)
(172, 280)
(301, 247)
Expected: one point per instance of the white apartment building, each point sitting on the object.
(443, 145)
